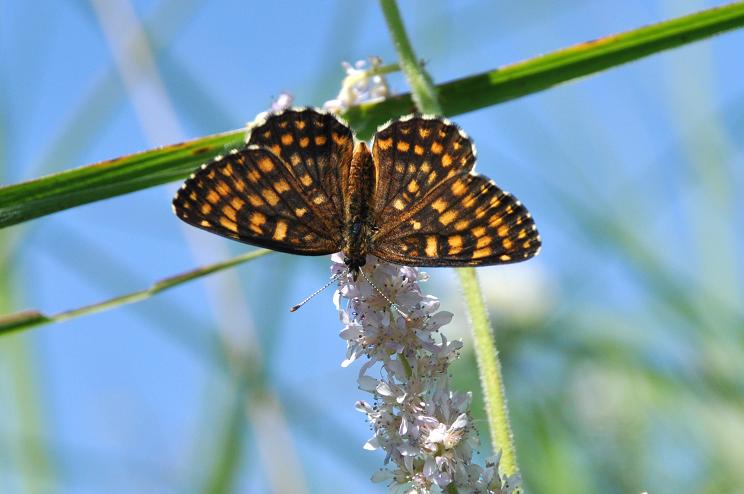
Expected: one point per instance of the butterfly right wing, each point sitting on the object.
(251, 196)
(467, 221)
(432, 210)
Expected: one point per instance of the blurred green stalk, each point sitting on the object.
(32, 460)
(32, 318)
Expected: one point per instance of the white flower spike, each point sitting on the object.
(424, 428)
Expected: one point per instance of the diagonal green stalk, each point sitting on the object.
(31, 318)
(489, 367)
(41, 196)
(117, 176)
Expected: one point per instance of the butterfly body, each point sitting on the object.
(304, 185)
(359, 225)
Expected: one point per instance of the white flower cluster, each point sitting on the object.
(424, 427)
(360, 84)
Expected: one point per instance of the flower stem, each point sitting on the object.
(489, 368)
(424, 96)
(406, 365)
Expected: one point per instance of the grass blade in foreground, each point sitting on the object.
(28, 200)
(52, 193)
(30, 318)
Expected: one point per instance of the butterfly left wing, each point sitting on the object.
(251, 196)
(318, 148)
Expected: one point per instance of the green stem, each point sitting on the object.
(424, 94)
(33, 461)
(30, 318)
(489, 369)
(406, 365)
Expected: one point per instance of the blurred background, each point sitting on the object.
(622, 343)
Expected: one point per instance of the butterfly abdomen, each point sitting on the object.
(357, 214)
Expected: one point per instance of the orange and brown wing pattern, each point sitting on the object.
(466, 221)
(251, 196)
(431, 210)
(318, 147)
(413, 156)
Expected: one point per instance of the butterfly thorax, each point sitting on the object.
(358, 225)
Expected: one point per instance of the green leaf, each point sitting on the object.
(35, 198)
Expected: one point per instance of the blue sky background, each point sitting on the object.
(613, 339)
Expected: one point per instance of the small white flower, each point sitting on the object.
(382, 476)
(360, 84)
(447, 437)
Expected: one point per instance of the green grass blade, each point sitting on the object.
(28, 200)
(226, 461)
(31, 318)
(41, 196)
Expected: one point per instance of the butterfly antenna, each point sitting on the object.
(392, 304)
(307, 299)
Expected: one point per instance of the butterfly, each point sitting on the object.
(303, 184)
